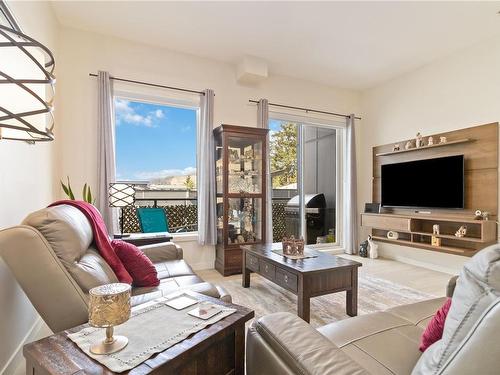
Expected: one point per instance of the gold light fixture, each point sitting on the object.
(109, 306)
(27, 85)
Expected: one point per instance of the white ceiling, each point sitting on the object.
(345, 44)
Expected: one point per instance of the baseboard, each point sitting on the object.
(413, 262)
(206, 265)
(17, 357)
(338, 251)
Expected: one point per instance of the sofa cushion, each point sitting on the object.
(478, 286)
(478, 353)
(138, 265)
(418, 313)
(395, 350)
(91, 271)
(66, 229)
(300, 348)
(434, 330)
(383, 342)
(349, 330)
(179, 268)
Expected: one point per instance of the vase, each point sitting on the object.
(372, 249)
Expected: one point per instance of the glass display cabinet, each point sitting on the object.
(240, 170)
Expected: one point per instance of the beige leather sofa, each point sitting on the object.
(53, 258)
(387, 342)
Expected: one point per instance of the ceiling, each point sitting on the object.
(353, 45)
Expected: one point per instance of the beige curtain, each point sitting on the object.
(207, 220)
(350, 189)
(106, 148)
(263, 122)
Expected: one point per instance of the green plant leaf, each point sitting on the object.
(65, 188)
(89, 196)
(84, 192)
(70, 191)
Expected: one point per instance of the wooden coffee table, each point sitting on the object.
(217, 349)
(306, 278)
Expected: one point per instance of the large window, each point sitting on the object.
(156, 151)
(306, 179)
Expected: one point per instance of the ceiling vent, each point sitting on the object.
(251, 70)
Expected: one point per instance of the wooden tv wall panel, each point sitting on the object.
(481, 166)
(478, 144)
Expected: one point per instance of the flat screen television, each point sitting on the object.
(428, 183)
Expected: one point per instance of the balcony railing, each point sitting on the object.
(182, 214)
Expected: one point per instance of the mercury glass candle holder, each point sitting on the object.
(109, 306)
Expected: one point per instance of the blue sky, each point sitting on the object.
(275, 125)
(154, 140)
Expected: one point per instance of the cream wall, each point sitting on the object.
(459, 91)
(26, 184)
(84, 52)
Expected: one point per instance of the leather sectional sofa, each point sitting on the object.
(53, 258)
(388, 342)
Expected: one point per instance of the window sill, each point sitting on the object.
(185, 237)
(328, 248)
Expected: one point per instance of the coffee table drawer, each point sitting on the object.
(252, 262)
(267, 270)
(286, 279)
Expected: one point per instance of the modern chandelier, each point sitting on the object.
(27, 87)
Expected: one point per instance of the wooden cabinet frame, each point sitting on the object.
(228, 258)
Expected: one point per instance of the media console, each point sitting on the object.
(416, 231)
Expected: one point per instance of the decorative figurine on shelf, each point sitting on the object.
(363, 249)
(392, 235)
(395, 147)
(372, 248)
(435, 229)
(430, 141)
(461, 232)
(481, 215)
(435, 241)
(419, 140)
(442, 140)
(234, 154)
(408, 145)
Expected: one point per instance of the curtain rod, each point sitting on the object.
(152, 84)
(305, 109)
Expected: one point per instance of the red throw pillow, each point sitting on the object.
(434, 330)
(138, 265)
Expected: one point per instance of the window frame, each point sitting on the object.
(172, 100)
(340, 127)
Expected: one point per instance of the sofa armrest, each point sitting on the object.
(283, 343)
(450, 288)
(162, 252)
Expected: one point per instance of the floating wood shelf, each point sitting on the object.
(416, 231)
(458, 141)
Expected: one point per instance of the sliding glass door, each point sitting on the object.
(306, 174)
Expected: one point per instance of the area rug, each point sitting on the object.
(374, 294)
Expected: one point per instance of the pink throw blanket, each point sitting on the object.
(101, 238)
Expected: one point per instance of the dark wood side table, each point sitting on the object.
(306, 278)
(217, 349)
(142, 239)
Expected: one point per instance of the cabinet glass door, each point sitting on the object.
(244, 165)
(244, 220)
